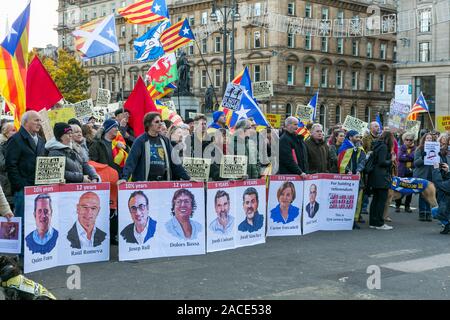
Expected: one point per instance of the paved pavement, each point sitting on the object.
(413, 260)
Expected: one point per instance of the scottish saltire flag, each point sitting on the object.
(302, 130)
(378, 120)
(97, 38)
(145, 12)
(243, 79)
(148, 47)
(14, 64)
(163, 72)
(177, 36)
(248, 109)
(313, 103)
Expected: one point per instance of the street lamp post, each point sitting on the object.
(227, 12)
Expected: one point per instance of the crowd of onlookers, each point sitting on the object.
(112, 152)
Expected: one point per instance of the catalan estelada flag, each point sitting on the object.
(156, 95)
(419, 106)
(145, 12)
(177, 36)
(303, 131)
(119, 155)
(14, 64)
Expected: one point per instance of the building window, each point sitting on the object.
(308, 10)
(325, 12)
(291, 40)
(424, 52)
(291, 9)
(191, 49)
(383, 51)
(367, 114)
(192, 21)
(308, 41)
(94, 13)
(355, 76)
(324, 44)
(134, 79)
(203, 79)
(257, 9)
(288, 109)
(307, 76)
(257, 39)
(338, 114)
(290, 75)
(324, 78)
(85, 14)
(204, 45)
(112, 83)
(369, 78)
(257, 72)
(340, 17)
(322, 115)
(102, 82)
(340, 45)
(218, 78)
(425, 20)
(355, 48)
(353, 111)
(339, 79)
(103, 10)
(394, 54)
(382, 82)
(135, 29)
(204, 18)
(369, 50)
(217, 45)
(123, 31)
(113, 7)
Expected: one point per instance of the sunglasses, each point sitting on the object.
(408, 139)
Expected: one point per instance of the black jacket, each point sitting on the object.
(380, 177)
(21, 154)
(290, 144)
(75, 243)
(99, 152)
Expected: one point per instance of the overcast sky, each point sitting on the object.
(44, 19)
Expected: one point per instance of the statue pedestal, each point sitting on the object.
(186, 104)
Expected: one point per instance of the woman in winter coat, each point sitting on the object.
(406, 166)
(336, 141)
(77, 170)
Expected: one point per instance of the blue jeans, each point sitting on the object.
(365, 203)
(424, 207)
(19, 205)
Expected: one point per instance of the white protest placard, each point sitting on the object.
(398, 114)
(50, 170)
(250, 217)
(103, 97)
(197, 168)
(304, 113)
(432, 150)
(221, 216)
(166, 235)
(45, 124)
(233, 167)
(63, 212)
(262, 89)
(413, 126)
(83, 109)
(403, 94)
(10, 235)
(352, 123)
(232, 96)
(285, 203)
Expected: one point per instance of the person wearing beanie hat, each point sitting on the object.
(218, 121)
(351, 133)
(77, 170)
(109, 125)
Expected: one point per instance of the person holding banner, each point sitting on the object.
(150, 157)
(285, 212)
(181, 226)
(43, 239)
(293, 149)
(76, 170)
(143, 227)
(253, 220)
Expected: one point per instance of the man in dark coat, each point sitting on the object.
(293, 154)
(319, 158)
(21, 153)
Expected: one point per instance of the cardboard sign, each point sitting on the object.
(83, 109)
(262, 89)
(352, 123)
(304, 113)
(403, 94)
(443, 123)
(61, 115)
(50, 170)
(233, 167)
(232, 96)
(398, 114)
(274, 119)
(46, 127)
(103, 97)
(197, 168)
(432, 150)
(413, 127)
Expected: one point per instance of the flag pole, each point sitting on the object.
(431, 120)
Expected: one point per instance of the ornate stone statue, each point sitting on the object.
(183, 87)
(209, 95)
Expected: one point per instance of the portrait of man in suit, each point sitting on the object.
(223, 224)
(143, 227)
(84, 233)
(312, 207)
(43, 239)
(253, 219)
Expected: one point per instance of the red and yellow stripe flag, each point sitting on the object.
(119, 155)
(14, 64)
(177, 36)
(155, 94)
(145, 12)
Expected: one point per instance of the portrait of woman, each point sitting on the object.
(285, 212)
(181, 225)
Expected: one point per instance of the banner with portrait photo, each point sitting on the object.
(250, 212)
(178, 220)
(432, 150)
(284, 207)
(10, 235)
(221, 216)
(66, 224)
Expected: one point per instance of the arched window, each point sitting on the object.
(322, 115)
(288, 109)
(353, 111)
(338, 114)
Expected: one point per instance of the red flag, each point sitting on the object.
(138, 104)
(41, 89)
